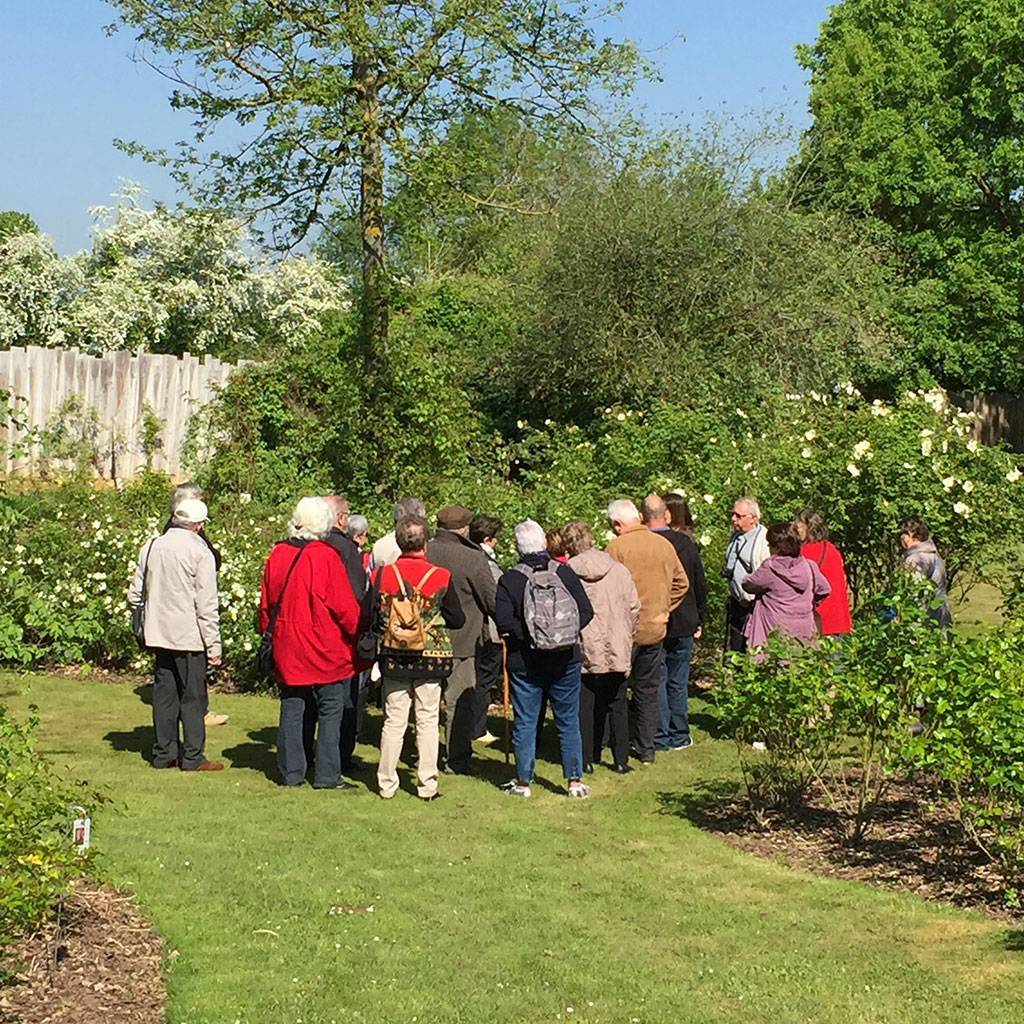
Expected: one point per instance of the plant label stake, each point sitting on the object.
(82, 830)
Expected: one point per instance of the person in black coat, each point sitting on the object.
(352, 559)
(669, 516)
(534, 673)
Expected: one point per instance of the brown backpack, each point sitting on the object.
(404, 629)
(411, 647)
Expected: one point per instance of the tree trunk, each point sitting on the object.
(371, 214)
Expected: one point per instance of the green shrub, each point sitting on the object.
(38, 859)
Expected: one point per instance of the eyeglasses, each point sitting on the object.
(743, 515)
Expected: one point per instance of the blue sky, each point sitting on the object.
(67, 90)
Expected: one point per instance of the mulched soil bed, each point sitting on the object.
(915, 845)
(100, 964)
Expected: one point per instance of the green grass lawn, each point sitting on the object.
(491, 909)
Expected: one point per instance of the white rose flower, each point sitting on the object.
(927, 433)
(704, 539)
(926, 446)
(1014, 475)
(853, 469)
(949, 483)
(806, 453)
(961, 509)
(810, 435)
(244, 498)
(862, 449)
(709, 498)
(972, 445)
(967, 486)
(621, 416)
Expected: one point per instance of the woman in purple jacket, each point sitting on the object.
(788, 587)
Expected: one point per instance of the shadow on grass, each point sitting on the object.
(259, 754)
(138, 741)
(1013, 940)
(710, 805)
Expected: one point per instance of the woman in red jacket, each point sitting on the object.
(314, 642)
(833, 614)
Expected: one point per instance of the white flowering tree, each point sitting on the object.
(166, 281)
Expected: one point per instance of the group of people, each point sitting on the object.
(604, 638)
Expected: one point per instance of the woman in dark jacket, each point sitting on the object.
(684, 628)
(536, 673)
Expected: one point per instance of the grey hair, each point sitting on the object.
(622, 510)
(530, 537)
(406, 507)
(753, 508)
(311, 520)
(358, 524)
(185, 491)
(412, 534)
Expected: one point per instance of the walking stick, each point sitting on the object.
(504, 693)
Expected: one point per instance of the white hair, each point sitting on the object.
(530, 537)
(311, 520)
(751, 505)
(358, 524)
(622, 510)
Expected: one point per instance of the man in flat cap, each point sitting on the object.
(474, 586)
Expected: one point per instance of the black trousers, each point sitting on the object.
(736, 616)
(488, 672)
(603, 698)
(179, 695)
(350, 723)
(644, 710)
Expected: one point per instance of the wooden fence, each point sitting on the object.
(998, 417)
(120, 387)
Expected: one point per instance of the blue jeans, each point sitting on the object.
(303, 710)
(563, 693)
(673, 708)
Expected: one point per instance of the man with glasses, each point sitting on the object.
(747, 549)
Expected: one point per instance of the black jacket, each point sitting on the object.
(689, 616)
(352, 559)
(523, 657)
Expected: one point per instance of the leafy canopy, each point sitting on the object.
(918, 115)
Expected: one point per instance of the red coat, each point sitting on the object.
(834, 612)
(315, 633)
(413, 568)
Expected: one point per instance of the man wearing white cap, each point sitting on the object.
(176, 586)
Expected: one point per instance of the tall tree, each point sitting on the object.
(324, 99)
(918, 119)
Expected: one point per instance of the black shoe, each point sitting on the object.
(427, 799)
(588, 769)
(457, 769)
(622, 769)
(342, 784)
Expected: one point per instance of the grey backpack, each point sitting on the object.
(550, 612)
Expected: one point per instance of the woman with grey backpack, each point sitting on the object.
(541, 608)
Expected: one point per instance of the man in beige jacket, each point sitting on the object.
(176, 585)
(662, 584)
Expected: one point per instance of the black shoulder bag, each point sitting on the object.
(139, 610)
(265, 655)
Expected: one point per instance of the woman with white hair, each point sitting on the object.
(541, 607)
(307, 598)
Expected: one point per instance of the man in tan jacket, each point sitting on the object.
(662, 584)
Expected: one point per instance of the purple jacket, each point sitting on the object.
(787, 588)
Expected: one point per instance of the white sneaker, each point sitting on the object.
(579, 790)
(488, 737)
(516, 788)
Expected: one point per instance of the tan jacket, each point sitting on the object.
(608, 640)
(181, 593)
(660, 578)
